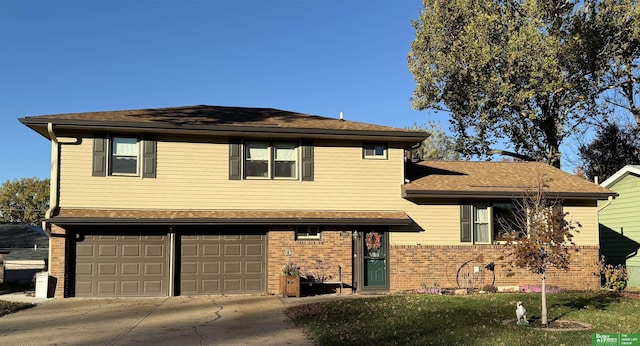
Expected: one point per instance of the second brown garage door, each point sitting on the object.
(222, 263)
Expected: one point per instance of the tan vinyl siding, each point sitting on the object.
(441, 224)
(587, 217)
(194, 175)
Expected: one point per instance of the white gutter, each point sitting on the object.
(609, 200)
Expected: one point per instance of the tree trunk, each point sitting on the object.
(543, 314)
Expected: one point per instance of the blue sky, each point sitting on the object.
(316, 57)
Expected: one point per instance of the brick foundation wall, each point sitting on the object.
(57, 244)
(411, 266)
(315, 257)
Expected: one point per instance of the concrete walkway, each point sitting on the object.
(199, 320)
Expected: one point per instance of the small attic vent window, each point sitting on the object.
(374, 151)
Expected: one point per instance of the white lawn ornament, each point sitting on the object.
(521, 314)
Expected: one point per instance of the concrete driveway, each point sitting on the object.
(200, 320)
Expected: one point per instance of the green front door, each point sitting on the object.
(374, 260)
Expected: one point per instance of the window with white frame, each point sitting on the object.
(124, 156)
(271, 160)
(374, 151)
(308, 233)
(490, 222)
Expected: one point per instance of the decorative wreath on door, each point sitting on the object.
(372, 240)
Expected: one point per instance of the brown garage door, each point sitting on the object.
(118, 265)
(219, 263)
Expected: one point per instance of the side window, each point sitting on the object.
(307, 233)
(374, 151)
(124, 156)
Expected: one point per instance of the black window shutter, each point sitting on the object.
(235, 159)
(307, 161)
(466, 224)
(99, 168)
(149, 157)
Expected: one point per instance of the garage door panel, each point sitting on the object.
(232, 250)
(253, 250)
(107, 288)
(211, 268)
(211, 250)
(84, 250)
(232, 267)
(154, 250)
(253, 286)
(253, 267)
(211, 285)
(130, 269)
(153, 269)
(131, 250)
(232, 286)
(189, 249)
(84, 269)
(106, 269)
(121, 265)
(189, 268)
(107, 250)
(228, 263)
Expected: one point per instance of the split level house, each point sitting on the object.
(215, 200)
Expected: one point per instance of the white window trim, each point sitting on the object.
(489, 223)
(317, 236)
(271, 161)
(366, 146)
(110, 158)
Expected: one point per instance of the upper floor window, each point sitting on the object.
(124, 155)
(271, 160)
(290, 160)
(374, 151)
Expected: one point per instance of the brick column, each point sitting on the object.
(57, 247)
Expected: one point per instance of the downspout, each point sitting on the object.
(609, 201)
(54, 181)
(53, 186)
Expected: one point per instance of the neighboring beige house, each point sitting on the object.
(620, 222)
(211, 200)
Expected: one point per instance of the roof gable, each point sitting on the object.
(623, 172)
(458, 179)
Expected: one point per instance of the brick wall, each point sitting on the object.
(57, 245)
(317, 258)
(410, 266)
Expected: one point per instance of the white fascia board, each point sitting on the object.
(635, 169)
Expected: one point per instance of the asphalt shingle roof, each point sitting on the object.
(454, 178)
(14, 236)
(217, 118)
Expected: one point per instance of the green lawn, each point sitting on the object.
(414, 319)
